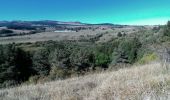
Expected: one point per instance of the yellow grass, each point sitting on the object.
(147, 82)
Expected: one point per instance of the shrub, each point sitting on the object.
(147, 58)
(102, 59)
(119, 34)
(58, 73)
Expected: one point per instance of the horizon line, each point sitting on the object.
(150, 22)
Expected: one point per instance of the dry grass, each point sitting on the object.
(45, 36)
(59, 36)
(148, 82)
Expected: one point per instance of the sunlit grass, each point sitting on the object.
(147, 82)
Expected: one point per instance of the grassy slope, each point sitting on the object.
(148, 82)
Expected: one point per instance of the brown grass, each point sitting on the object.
(59, 36)
(56, 36)
(147, 82)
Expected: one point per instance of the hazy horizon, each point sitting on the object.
(124, 12)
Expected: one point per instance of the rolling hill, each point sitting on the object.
(147, 82)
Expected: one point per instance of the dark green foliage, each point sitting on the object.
(168, 24)
(167, 29)
(8, 71)
(102, 59)
(20, 27)
(119, 34)
(82, 59)
(103, 54)
(5, 31)
(127, 51)
(14, 65)
(59, 57)
(24, 64)
(40, 62)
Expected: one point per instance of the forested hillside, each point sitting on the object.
(51, 60)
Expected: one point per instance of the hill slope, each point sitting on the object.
(147, 82)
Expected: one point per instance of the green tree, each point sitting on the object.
(23, 63)
(8, 71)
(60, 58)
(82, 59)
(14, 64)
(127, 51)
(41, 63)
(167, 29)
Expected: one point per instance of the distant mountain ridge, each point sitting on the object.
(44, 22)
(51, 23)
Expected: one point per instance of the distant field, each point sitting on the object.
(83, 34)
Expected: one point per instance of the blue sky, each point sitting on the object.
(88, 11)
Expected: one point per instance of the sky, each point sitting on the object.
(132, 12)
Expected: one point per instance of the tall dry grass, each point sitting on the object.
(147, 82)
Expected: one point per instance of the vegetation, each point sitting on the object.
(148, 58)
(51, 60)
(21, 27)
(6, 32)
(167, 29)
(15, 65)
(65, 58)
(151, 81)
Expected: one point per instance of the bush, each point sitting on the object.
(119, 34)
(147, 58)
(58, 73)
(102, 59)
